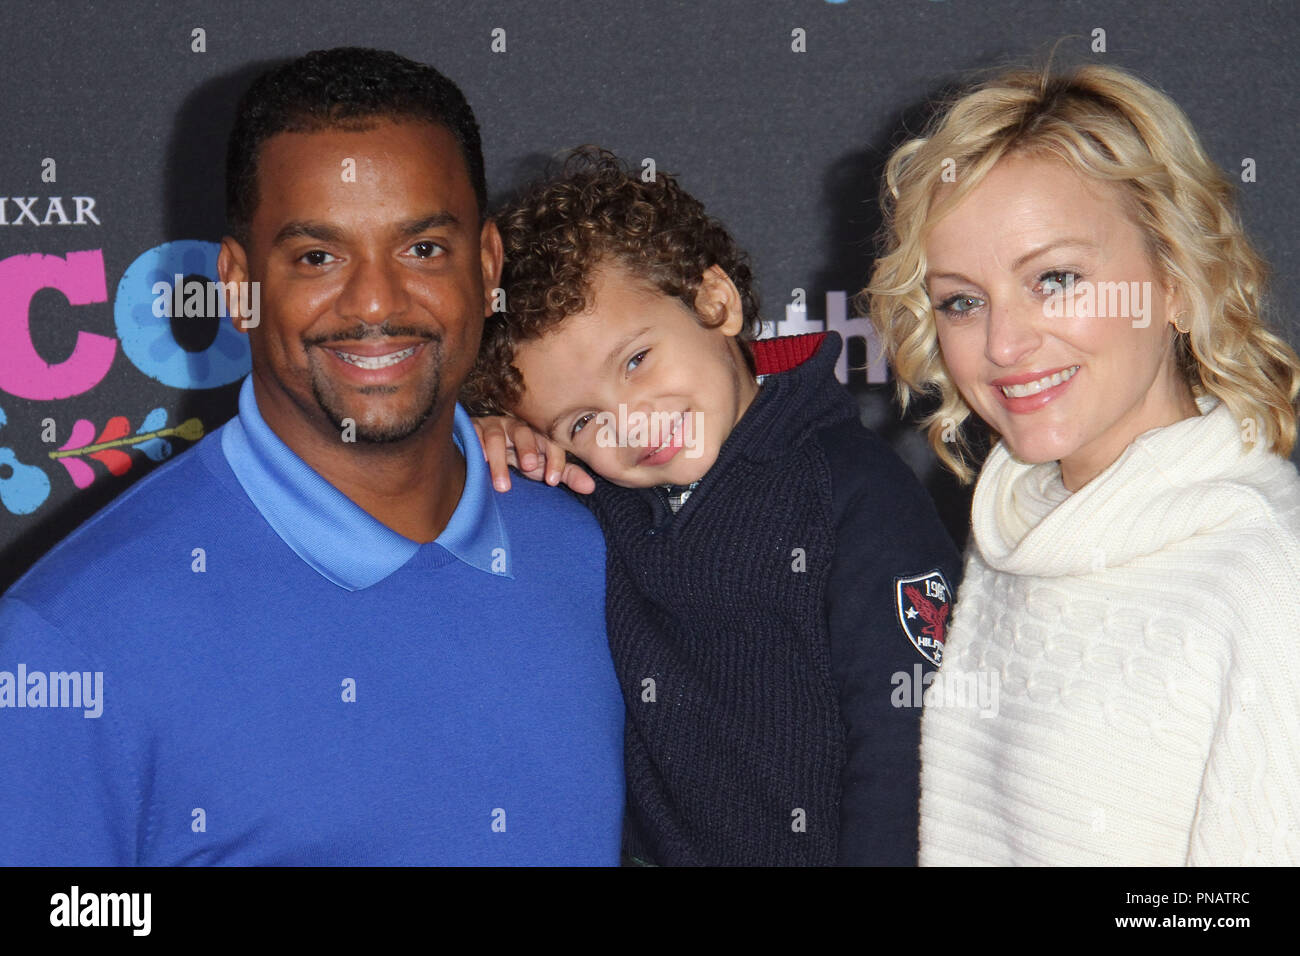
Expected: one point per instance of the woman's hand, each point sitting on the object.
(509, 442)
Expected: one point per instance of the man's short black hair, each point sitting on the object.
(347, 87)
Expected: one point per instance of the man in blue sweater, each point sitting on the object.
(280, 648)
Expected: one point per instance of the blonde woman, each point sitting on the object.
(1064, 262)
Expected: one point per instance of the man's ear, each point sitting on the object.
(491, 253)
(718, 301)
(232, 267)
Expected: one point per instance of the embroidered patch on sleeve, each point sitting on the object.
(923, 602)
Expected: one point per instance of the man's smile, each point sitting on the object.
(373, 361)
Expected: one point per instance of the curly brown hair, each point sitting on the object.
(563, 227)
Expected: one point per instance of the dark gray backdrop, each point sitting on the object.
(786, 147)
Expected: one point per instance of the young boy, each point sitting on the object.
(773, 568)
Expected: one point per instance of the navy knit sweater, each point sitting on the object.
(757, 635)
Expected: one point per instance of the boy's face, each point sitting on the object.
(636, 387)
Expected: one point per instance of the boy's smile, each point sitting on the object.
(636, 386)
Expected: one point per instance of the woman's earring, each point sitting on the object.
(1181, 330)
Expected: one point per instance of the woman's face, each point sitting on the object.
(1053, 321)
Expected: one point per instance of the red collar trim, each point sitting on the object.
(772, 356)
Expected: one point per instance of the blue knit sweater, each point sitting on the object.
(254, 711)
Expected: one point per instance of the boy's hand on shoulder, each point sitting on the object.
(508, 442)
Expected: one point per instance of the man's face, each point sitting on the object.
(374, 279)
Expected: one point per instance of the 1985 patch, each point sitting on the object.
(923, 602)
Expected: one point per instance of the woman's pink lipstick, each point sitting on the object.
(1033, 390)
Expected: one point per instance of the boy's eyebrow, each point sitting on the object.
(619, 346)
(555, 422)
(623, 343)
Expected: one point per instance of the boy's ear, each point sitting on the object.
(718, 301)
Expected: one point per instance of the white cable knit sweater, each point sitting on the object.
(1144, 633)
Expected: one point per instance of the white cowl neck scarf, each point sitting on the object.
(1141, 640)
(1171, 483)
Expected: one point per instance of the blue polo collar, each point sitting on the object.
(331, 532)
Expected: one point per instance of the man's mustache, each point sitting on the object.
(362, 332)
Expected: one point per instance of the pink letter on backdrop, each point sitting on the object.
(23, 372)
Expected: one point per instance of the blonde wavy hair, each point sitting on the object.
(1104, 123)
